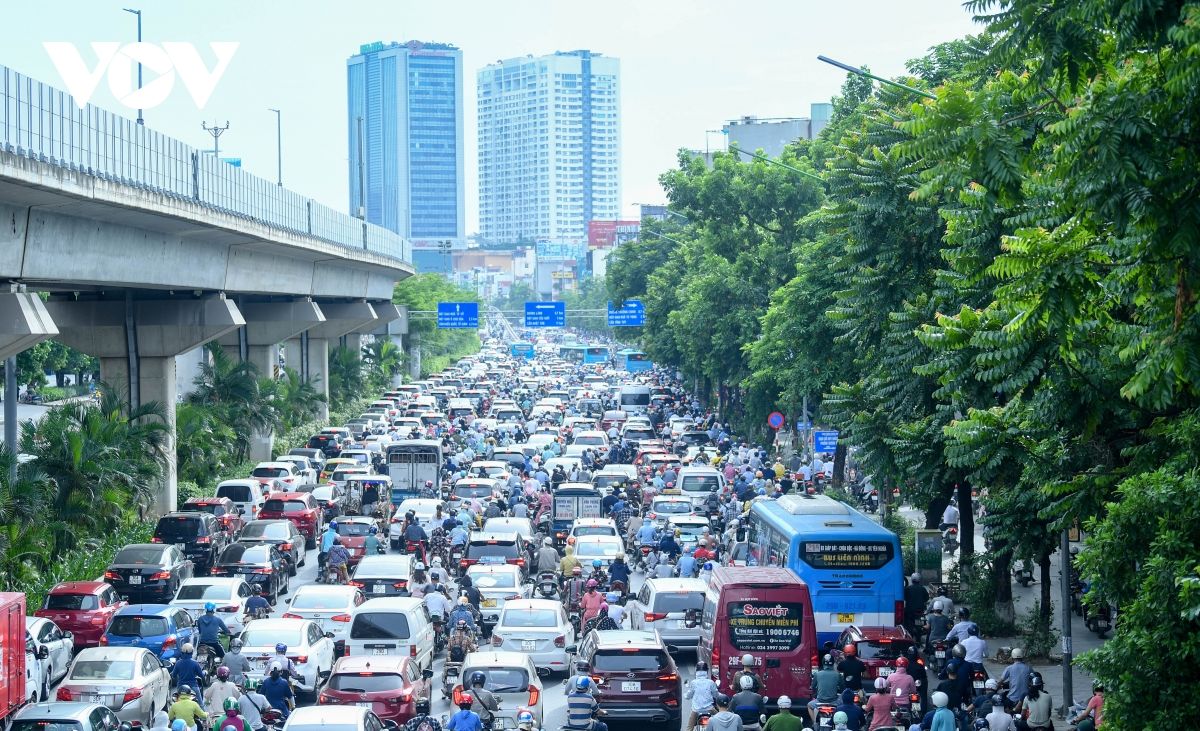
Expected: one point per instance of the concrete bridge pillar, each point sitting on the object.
(136, 341)
(312, 347)
(267, 325)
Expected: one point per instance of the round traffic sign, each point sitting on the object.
(775, 420)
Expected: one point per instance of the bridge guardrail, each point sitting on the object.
(42, 123)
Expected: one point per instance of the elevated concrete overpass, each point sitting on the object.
(134, 247)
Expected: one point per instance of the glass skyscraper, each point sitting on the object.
(549, 146)
(405, 141)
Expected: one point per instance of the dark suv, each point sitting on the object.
(488, 547)
(636, 679)
(201, 535)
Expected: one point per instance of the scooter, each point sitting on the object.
(547, 584)
(1023, 573)
(950, 540)
(939, 656)
(825, 717)
(1098, 619)
(643, 554)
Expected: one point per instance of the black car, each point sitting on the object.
(199, 533)
(149, 573)
(283, 534)
(327, 443)
(260, 563)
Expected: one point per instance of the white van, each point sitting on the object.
(245, 494)
(459, 407)
(697, 483)
(395, 626)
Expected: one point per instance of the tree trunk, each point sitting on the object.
(937, 506)
(1002, 604)
(839, 464)
(966, 524)
(1044, 577)
(60, 378)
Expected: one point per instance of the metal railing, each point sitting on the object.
(40, 122)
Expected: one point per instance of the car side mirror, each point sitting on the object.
(125, 726)
(68, 635)
(672, 649)
(571, 649)
(43, 652)
(390, 724)
(329, 635)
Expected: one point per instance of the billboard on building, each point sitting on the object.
(606, 234)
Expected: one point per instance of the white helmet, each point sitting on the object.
(746, 682)
(940, 699)
(547, 541)
(784, 702)
(938, 606)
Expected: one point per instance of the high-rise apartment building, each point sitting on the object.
(405, 114)
(549, 146)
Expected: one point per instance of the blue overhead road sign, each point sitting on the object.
(630, 314)
(458, 315)
(545, 314)
(825, 441)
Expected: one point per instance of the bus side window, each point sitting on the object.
(709, 615)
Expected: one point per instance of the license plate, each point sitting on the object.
(365, 704)
(528, 645)
(844, 618)
(93, 698)
(884, 672)
(631, 686)
(978, 685)
(380, 651)
(489, 602)
(135, 580)
(378, 589)
(939, 654)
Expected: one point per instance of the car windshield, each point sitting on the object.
(597, 549)
(366, 682)
(269, 637)
(529, 618)
(190, 591)
(690, 529)
(43, 724)
(379, 626)
(177, 530)
(593, 530)
(700, 483)
(236, 493)
(590, 440)
(241, 553)
(151, 555)
(502, 680)
(677, 601)
(388, 567)
(72, 602)
(493, 580)
(132, 625)
(494, 549)
(323, 493)
(629, 662)
(269, 472)
(284, 506)
(672, 507)
(868, 650)
(319, 600)
(273, 530)
(346, 528)
(102, 670)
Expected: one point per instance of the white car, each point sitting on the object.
(597, 440)
(671, 607)
(59, 646)
(594, 527)
(267, 473)
(513, 679)
(489, 468)
(539, 628)
(497, 583)
(521, 526)
(129, 680)
(602, 548)
(423, 508)
(334, 718)
(307, 647)
(304, 467)
(229, 594)
(328, 605)
(691, 528)
(472, 488)
(664, 506)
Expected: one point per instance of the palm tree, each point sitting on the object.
(25, 546)
(231, 388)
(346, 377)
(201, 443)
(294, 399)
(385, 360)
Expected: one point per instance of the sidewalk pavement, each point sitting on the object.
(1083, 639)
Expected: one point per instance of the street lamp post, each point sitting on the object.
(138, 13)
(216, 133)
(859, 72)
(278, 147)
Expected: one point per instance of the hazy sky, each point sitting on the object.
(686, 67)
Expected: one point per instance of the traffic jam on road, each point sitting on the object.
(548, 534)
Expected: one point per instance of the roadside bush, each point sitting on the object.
(977, 591)
(85, 562)
(188, 490)
(1039, 635)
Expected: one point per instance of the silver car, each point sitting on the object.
(328, 606)
(65, 716)
(130, 681)
(671, 606)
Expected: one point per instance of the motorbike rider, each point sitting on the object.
(1090, 718)
(601, 622)
(485, 703)
(686, 566)
(462, 613)
(211, 627)
(960, 630)
(702, 692)
(465, 719)
(900, 684)
(747, 704)
(422, 721)
(581, 707)
(647, 535)
(748, 670)
(938, 623)
(1016, 679)
(668, 545)
(439, 540)
(724, 719)
(569, 562)
(919, 673)
(826, 685)
(916, 597)
(467, 589)
(573, 589)
(784, 720)
(591, 601)
(371, 545)
(949, 517)
(975, 648)
(257, 603)
(188, 672)
(186, 708)
(547, 557)
(619, 572)
(598, 572)
(851, 668)
(236, 662)
(339, 562)
(252, 704)
(414, 533)
(286, 667)
(231, 720)
(880, 705)
(437, 601)
(220, 690)
(856, 719)
(327, 539)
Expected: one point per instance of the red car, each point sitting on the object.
(877, 647)
(298, 507)
(82, 608)
(385, 682)
(221, 508)
(352, 531)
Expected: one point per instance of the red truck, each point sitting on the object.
(12, 654)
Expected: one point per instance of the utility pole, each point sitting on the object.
(1064, 581)
(216, 133)
(362, 185)
(278, 147)
(138, 13)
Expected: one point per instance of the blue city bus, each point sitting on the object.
(634, 361)
(852, 565)
(595, 354)
(521, 349)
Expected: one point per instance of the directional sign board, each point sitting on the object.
(545, 314)
(631, 314)
(458, 315)
(825, 441)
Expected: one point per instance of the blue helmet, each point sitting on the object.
(583, 683)
(178, 725)
(597, 563)
(210, 607)
(333, 525)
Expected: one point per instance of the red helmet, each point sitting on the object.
(850, 650)
(465, 701)
(577, 571)
(902, 662)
